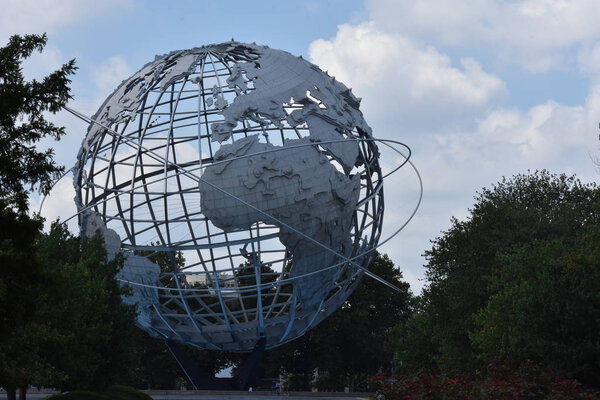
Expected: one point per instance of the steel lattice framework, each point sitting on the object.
(142, 174)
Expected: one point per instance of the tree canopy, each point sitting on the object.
(510, 282)
(62, 322)
(22, 122)
(79, 333)
(23, 279)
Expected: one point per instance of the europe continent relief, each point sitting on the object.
(294, 186)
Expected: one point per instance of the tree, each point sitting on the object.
(466, 264)
(22, 169)
(547, 308)
(22, 283)
(153, 367)
(85, 307)
(412, 343)
(79, 334)
(22, 122)
(350, 346)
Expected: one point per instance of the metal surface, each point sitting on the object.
(243, 186)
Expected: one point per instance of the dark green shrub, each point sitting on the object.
(119, 392)
(78, 395)
(112, 393)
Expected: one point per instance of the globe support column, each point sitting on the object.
(203, 380)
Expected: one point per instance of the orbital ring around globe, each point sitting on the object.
(358, 256)
(387, 142)
(251, 287)
(242, 186)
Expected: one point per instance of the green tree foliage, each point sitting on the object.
(551, 290)
(85, 306)
(245, 277)
(350, 346)
(78, 334)
(22, 276)
(153, 367)
(507, 264)
(22, 122)
(23, 168)
(412, 342)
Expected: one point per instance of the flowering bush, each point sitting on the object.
(529, 382)
(426, 386)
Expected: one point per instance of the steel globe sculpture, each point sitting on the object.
(242, 185)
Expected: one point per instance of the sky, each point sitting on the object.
(479, 89)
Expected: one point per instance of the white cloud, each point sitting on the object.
(589, 61)
(39, 16)
(551, 136)
(534, 33)
(415, 84)
(508, 141)
(463, 137)
(58, 205)
(454, 165)
(110, 73)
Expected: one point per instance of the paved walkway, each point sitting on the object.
(321, 396)
(203, 395)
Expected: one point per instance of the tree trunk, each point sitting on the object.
(11, 393)
(22, 393)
